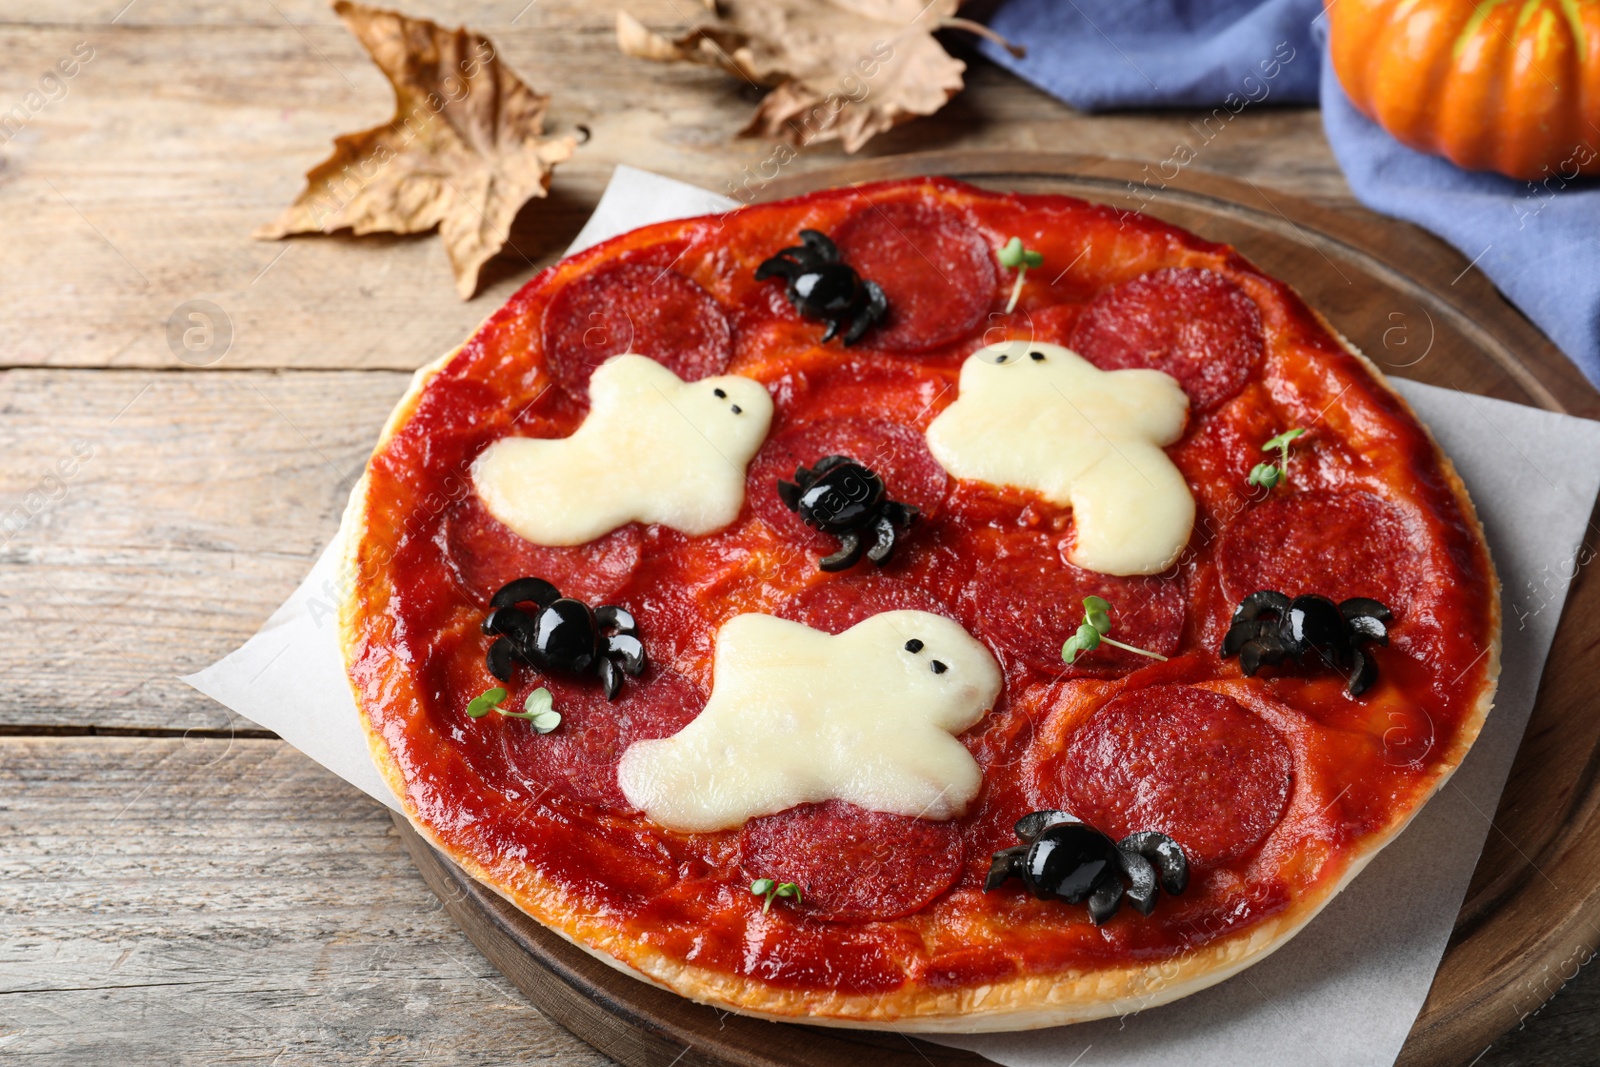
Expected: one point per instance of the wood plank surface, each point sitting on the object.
(198, 504)
(192, 125)
(206, 900)
(216, 898)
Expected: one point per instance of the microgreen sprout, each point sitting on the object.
(1013, 255)
(538, 708)
(1096, 626)
(1268, 475)
(766, 887)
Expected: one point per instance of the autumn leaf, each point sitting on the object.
(464, 151)
(839, 70)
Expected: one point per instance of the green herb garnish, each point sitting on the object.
(766, 887)
(1096, 626)
(538, 708)
(1013, 255)
(1268, 475)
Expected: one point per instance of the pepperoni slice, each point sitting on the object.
(485, 555)
(634, 307)
(836, 604)
(1192, 323)
(935, 269)
(1192, 764)
(853, 865)
(1028, 601)
(1338, 544)
(896, 453)
(579, 759)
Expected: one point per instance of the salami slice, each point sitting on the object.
(853, 865)
(935, 269)
(1028, 602)
(634, 307)
(1338, 544)
(579, 759)
(833, 605)
(1192, 323)
(896, 453)
(485, 555)
(1190, 763)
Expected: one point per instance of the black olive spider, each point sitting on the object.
(821, 286)
(1066, 859)
(1269, 627)
(841, 497)
(562, 635)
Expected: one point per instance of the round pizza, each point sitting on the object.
(913, 604)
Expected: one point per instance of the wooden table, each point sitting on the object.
(177, 885)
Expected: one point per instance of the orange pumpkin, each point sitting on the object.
(1505, 85)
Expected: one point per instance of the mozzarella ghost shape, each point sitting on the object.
(1041, 417)
(654, 448)
(800, 716)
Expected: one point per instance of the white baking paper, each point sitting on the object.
(1347, 989)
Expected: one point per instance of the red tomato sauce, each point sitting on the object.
(1359, 766)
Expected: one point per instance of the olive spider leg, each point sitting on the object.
(866, 318)
(850, 548)
(883, 540)
(627, 651)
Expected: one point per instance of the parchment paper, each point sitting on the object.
(1347, 989)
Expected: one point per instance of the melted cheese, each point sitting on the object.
(653, 449)
(1080, 437)
(798, 716)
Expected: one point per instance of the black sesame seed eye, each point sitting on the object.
(719, 394)
(1038, 357)
(737, 409)
(1001, 358)
(913, 646)
(939, 668)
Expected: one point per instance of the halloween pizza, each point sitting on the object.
(913, 604)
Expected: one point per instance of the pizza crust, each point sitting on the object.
(1023, 1003)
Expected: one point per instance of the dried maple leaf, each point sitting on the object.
(839, 70)
(464, 151)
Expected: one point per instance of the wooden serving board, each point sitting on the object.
(1418, 309)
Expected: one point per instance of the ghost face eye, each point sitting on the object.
(938, 667)
(913, 646)
(720, 394)
(1037, 357)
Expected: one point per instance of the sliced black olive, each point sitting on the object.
(1361, 605)
(1243, 631)
(510, 622)
(1362, 674)
(1165, 853)
(532, 590)
(1006, 864)
(610, 677)
(1314, 623)
(1266, 648)
(631, 649)
(1369, 628)
(1069, 860)
(1264, 602)
(789, 493)
(1030, 826)
(498, 659)
(616, 618)
(1142, 890)
(566, 635)
(1105, 900)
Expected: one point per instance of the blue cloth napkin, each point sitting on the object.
(1538, 242)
